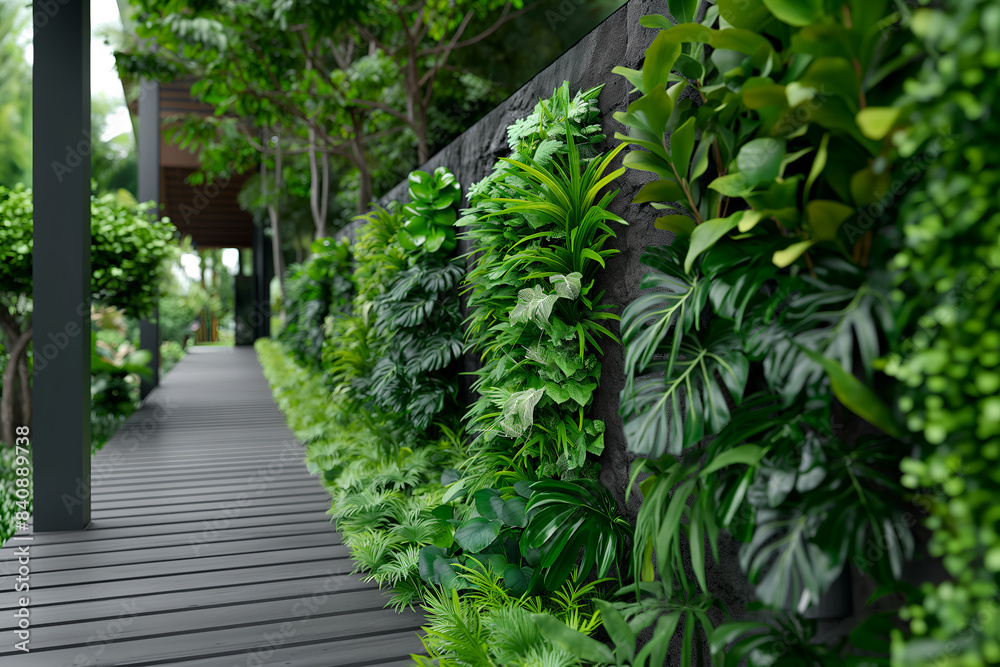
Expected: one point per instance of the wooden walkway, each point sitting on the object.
(209, 547)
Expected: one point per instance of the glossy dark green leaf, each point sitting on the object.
(476, 534)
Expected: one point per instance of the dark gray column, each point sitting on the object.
(149, 190)
(61, 273)
(263, 271)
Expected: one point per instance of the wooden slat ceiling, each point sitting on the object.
(210, 214)
(207, 213)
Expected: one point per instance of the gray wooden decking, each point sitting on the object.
(209, 546)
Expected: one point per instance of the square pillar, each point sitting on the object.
(149, 190)
(61, 271)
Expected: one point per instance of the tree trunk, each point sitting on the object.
(365, 187)
(324, 197)
(272, 214)
(8, 417)
(319, 185)
(26, 398)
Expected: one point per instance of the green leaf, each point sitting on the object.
(824, 217)
(455, 490)
(681, 225)
(517, 579)
(798, 13)
(475, 534)
(646, 161)
(759, 160)
(512, 513)
(875, 122)
(731, 185)
(649, 114)
(660, 57)
(856, 396)
(617, 628)
(818, 164)
(488, 503)
(533, 305)
(581, 393)
(746, 14)
(695, 392)
(683, 11)
(568, 286)
(556, 392)
(682, 32)
(726, 633)
(748, 455)
(571, 641)
(660, 191)
(707, 233)
(749, 220)
(634, 76)
(681, 147)
(783, 258)
(518, 412)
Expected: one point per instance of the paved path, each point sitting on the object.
(209, 546)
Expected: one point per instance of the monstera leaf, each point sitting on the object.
(566, 517)
(684, 399)
(788, 568)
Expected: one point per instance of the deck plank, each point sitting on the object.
(210, 544)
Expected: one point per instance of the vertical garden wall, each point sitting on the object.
(789, 206)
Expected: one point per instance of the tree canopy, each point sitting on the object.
(127, 250)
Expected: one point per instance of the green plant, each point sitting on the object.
(528, 533)
(383, 481)
(315, 289)
(171, 353)
(565, 518)
(129, 254)
(488, 534)
(419, 318)
(486, 625)
(540, 224)
(944, 363)
(756, 344)
(400, 343)
(431, 211)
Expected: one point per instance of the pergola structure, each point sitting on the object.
(209, 214)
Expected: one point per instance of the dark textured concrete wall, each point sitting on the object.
(619, 40)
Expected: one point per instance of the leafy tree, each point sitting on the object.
(127, 258)
(15, 98)
(341, 80)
